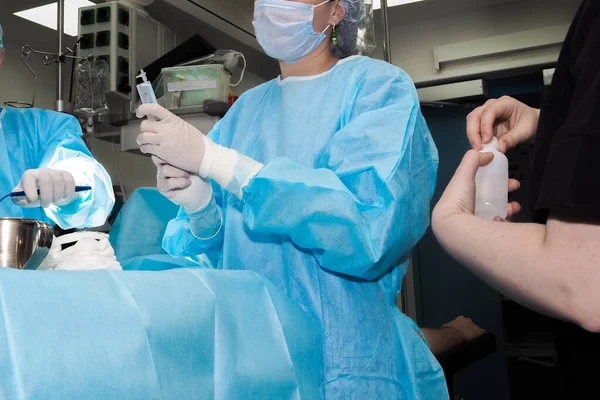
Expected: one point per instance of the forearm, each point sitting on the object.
(512, 258)
(318, 212)
(442, 340)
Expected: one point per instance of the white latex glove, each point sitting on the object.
(182, 188)
(171, 139)
(180, 145)
(56, 187)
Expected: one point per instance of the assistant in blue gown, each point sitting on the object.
(349, 171)
(32, 139)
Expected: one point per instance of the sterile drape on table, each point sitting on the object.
(180, 334)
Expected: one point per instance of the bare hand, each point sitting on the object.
(510, 120)
(459, 196)
(467, 329)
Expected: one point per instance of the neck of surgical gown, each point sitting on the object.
(332, 218)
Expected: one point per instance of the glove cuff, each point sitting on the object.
(230, 169)
(218, 163)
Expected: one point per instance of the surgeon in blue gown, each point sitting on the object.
(43, 151)
(320, 181)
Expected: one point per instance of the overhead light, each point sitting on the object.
(392, 3)
(48, 15)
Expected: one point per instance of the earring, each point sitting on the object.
(334, 36)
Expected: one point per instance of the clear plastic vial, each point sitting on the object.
(492, 185)
(145, 90)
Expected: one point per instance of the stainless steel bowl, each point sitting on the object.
(24, 243)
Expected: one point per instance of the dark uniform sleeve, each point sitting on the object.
(571, 178)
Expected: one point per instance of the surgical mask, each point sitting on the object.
(284, 28)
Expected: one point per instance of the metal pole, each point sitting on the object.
(60, 106)
(387, 53)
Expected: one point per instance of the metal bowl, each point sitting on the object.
(24, 243)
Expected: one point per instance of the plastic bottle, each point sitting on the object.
(492, 185)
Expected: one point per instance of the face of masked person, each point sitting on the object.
(286, 29)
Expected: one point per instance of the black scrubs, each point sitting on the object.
(565, 176)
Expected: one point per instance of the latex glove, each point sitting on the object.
(510, 120)
(179, 144)
(466, 328)
(459, 196)
(182, 188)
(56, 187)
(171, 139)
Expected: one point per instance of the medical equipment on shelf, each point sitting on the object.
(24, 243)
(229, 59)
(116, 33)
(78, 189)
(190, 86)
(145, 90)
(492, 185)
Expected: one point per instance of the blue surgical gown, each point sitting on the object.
(33, 138)
(349, 171)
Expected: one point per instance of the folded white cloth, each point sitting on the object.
(90, 251)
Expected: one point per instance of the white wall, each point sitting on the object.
(16, 82)
(413, 41)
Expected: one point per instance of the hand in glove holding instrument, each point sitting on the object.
(55, 187)
(171, 139)
(179, 144)
(184, 189)
(192, 193)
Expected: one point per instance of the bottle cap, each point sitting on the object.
(143, 76)
(491, 146)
